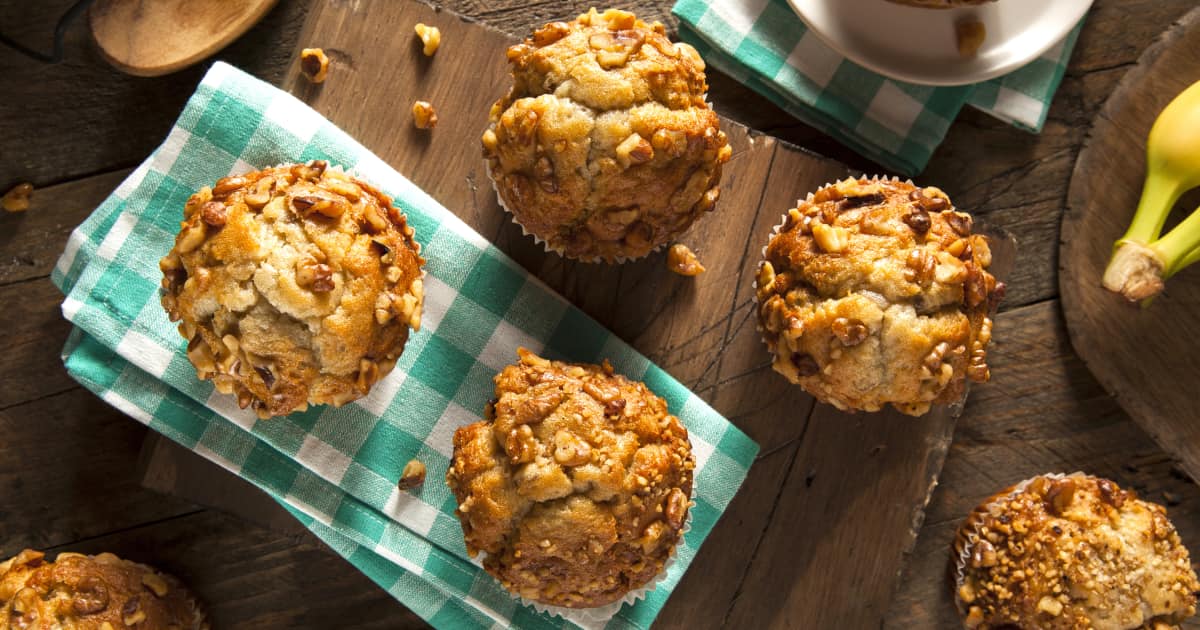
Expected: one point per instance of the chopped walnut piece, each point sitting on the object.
(412, 476)
(314, 64)
(424, 116)
(683, 261)
(430, 36)
(970, 33)
(17, 199)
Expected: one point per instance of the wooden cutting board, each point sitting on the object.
(817, 535)
(1148, 358)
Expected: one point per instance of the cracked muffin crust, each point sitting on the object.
(293, 285)
(1067, 552)
(101, 592)
(576, 485)
(604, 147)
(876, 292)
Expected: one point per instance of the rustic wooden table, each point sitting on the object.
(68, 475)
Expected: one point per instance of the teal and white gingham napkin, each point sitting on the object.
(764, 45)
(336, 468)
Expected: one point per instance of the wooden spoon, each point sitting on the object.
(154, 37)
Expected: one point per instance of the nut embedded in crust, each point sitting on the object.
(293, 285)
(577, 484)
(1071, 552)
(604, 147)
(876, 292)
(101, 591)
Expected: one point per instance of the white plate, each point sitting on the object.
(919, 46)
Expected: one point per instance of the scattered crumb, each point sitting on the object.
(314, 64)
(413, 475)
(683, 261)
(424, 116)
(17, 199)
(431, 36)
(971, 33)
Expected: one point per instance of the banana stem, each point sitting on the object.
(1177, 246)
(1158, 196)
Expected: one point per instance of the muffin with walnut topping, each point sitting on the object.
(605, 148)
(293, 285)
(100, 592)
(576, 486)
(1066, 552)
(876, 292)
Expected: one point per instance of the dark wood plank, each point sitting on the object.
(31, 241)
(67, 472)
(1044, 412)
(249, 577)
(60, 122)
(1136, 352)
(34, 332)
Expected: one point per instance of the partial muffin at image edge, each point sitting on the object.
(605, 148)
(294, 285)
(1071, 551)
(876, 292)
(576, 486)
(101, 592)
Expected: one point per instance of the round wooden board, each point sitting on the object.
(1148, 358)
(154, 38)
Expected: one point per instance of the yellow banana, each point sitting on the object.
(1141, 260)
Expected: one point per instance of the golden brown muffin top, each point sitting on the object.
(1072, 552)
(101, 592)
(875, 292)
(577, 484)
(295, 285)
(605, 147)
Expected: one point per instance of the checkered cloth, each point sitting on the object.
(336, 468)
(765, 45)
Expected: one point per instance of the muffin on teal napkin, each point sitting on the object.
(337, 468)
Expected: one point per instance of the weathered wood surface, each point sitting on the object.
(1137, 353)
(1043, 412)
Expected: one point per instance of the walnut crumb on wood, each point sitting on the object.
(17, 199)
(314, 64)
(424, 116)
(683, 261)
(430, 36)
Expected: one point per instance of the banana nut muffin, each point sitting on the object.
(295, 285)
(604, 147)
(101, 592)
(575, 486)
(1074, 552)
(875, 292)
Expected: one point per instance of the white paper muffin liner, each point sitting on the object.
(968, 533)
(599, 616)
(619, 260)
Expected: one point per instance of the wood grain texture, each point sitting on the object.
(1136, 352)
(1042, 413)
(82, 116)
(149, 39)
